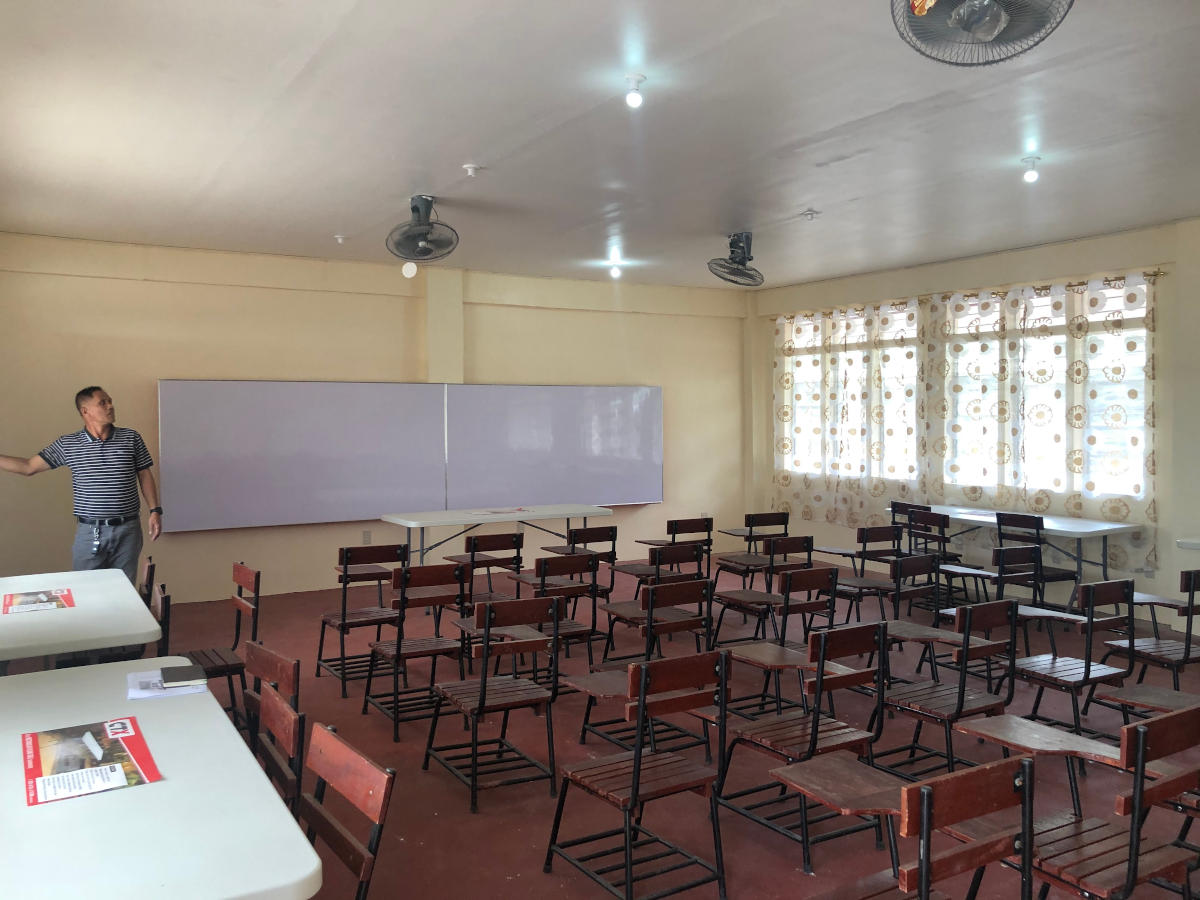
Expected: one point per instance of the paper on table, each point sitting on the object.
(146, 685)
(85, 759)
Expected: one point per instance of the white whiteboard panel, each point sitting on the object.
(235, 454)
(537, 444)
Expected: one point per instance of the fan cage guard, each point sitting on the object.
(435, 233)
(1030, 23)
(744, 276)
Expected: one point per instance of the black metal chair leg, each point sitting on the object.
(550, 749)
(474, 764)
(437, 712)
(805, 844)
(718, 850)
(628, 855)
(558, 814)
(587, 714)
(395, 695)
(342, 649)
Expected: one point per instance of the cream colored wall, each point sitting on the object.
(1174, 247)
(76, 312)
(689, 341)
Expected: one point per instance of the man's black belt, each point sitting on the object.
(112, 521)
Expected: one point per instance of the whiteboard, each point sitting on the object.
(540, 444)
(240, 454)
(237, 454)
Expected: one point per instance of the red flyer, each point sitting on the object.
(36, 601)
(85, 759)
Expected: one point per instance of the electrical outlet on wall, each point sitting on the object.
(366, 537)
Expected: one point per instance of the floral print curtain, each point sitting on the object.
(1030, 400)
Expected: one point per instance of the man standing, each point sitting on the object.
(107, 465)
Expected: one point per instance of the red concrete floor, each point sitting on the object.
(434, 847)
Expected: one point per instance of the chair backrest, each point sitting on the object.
(755, 521)
(986, 619)
(677, 528)
(825, 648)
(366, 786)
(926, 528)
(536, 612)
(697, 592)
(496, 543)
(819, 586)
(1017, 565)
(1142, 743)
(782, 549)
(580, 538)
(371, 554)
(417, 586)
(682, 555)
(160, 608)
(245, 600)
(927, 520)
(266, 666)
(146, 585)
(1102, 594)
(421, 587)
(690, 531)
(892, 535)
(1020, 528)
(901, 511)
(279, 741)
(583, 566)
(954, 797)
(913, 578)
(677, 684)
(508, 545)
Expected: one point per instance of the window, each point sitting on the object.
(1034, 399)
(852, 375)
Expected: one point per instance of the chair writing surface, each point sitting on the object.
(541, 444)
(236, 454)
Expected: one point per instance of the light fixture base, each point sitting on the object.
(633, 99)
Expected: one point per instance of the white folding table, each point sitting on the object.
(107, 613)
(1052, 526)
(213, 827)
(473, 518)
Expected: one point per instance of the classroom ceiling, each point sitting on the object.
(272, 125)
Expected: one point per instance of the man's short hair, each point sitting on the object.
(85, 395)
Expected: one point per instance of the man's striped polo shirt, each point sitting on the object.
(103, 473)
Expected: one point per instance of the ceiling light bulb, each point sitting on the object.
(409, 269)
(633, 99)
(615, 271)
(614, 255)
(1031, 172)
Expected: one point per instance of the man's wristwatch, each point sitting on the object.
(157, 509)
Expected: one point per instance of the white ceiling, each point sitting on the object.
(271, 125)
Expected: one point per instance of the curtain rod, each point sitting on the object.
(1043, 290)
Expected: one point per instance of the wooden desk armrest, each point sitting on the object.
(1163, 789)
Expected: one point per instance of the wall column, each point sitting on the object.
(444, 337)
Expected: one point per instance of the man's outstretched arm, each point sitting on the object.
(20, 466)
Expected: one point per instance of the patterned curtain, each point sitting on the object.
(846, 411)
(1034, 400)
